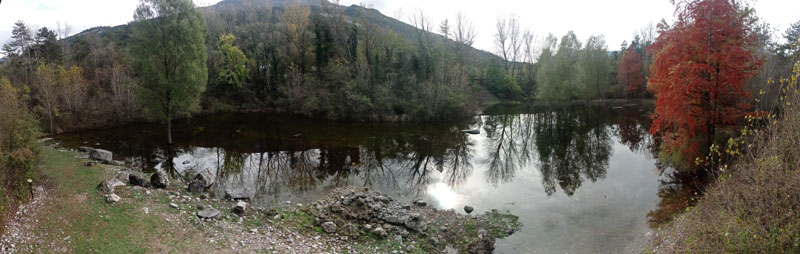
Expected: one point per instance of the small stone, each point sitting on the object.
(421, 203)
(209, 213)
(482, 233)
(368, 227)
(240, 207)
(443, 228)
(173, 205)
(468, 209)
(435, 240)
(349, 230)
(380, 232)
(112, 198)
(146, 210)
(411, 248)
(201, 206)
(329, 227)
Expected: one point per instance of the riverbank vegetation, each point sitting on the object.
(19, 149)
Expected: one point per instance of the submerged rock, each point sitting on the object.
(468, 209)
(472, 132)
(209, 213)
(159, 180)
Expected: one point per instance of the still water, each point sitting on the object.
(582, 179)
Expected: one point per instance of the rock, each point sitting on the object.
(472, 132)
(209, 213)
(201, 181)
(101, 155)
(238, 194)
(114, 163)
(173, 205)
(201, 206)
(468, 209)
(482, 246)
(89, 164)
(329, 227)
(107, 186)
(435, 240)
(482, 233)
(85, 149)
(136, 179)
(379, 231)
(159, 180)
(112, 198)
(349, 230)
(411, 248)
(240, 207)
(368, 227)
(421, 203)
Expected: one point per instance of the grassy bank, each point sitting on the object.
(69, 215)
(754, 205)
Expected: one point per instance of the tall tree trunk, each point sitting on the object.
(169, 131)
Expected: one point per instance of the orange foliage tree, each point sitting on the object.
(629, 70)
(700, 66)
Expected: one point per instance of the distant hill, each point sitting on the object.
(120, 33)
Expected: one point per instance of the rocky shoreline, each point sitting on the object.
(348, 219)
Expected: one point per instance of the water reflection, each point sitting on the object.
(279, 156)
(536, 162)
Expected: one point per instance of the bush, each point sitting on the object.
(19, 148)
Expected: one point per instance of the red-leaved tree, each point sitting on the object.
(629, 70)
(700, 66)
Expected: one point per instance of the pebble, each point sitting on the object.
(173, 205)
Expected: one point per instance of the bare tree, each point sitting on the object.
(648, 34)
(464, 31)
(515, 41)
(501, 40)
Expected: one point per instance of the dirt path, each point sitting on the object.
(20, 235)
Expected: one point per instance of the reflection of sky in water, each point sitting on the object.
(571, 176)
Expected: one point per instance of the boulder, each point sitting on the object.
(349, 230)
(468, 209)
(136, 179)
(107, 186)
(329, 227)
(159, 180)
(209, 213)
(238, 194)
(201, 181)
(101, 155)
(379, 231)
(112, 198)
(240, 207)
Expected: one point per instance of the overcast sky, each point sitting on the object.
(617, 20)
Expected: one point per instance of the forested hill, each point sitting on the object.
(323, 60)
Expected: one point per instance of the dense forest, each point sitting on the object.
(323, 60)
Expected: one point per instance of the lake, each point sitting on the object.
(582, 178)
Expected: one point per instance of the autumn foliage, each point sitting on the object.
(700, 66)
(629, 70)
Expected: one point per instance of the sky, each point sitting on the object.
(617, 20)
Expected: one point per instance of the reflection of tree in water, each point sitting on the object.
(573, 146)
(679, 190)
(511, 141)
(633, 131)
